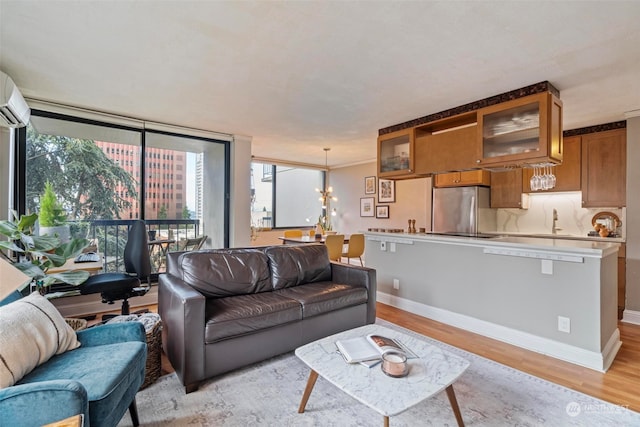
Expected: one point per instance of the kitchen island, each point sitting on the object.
(553, 296)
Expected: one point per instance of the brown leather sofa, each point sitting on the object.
(227, 308)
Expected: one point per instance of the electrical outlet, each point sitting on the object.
(396, 284)
(564, 324)
(383, 246)
(392, 246)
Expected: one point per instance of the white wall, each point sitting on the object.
(240, 209)
(413, 201)
(5, 170)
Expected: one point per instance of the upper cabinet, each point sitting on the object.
(523, 131)
(604, 168)
(446, 145)
(396, 151)
(506, 189)
(464, 178)
(567, 174)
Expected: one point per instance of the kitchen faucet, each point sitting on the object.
(554, 229)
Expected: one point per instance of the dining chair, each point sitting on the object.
(292, 233)
(192, 244)
(355, 248)
(334, 243)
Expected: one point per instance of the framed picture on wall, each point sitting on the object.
(382, 211)
(386, 191)
(366, 206)
(370, 185)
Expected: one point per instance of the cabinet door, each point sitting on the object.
(523, 131)
(604, 168)
(396, 154)
(446, 179)
(567, 174)
(446, 151)
(506, 189)
(464, 178)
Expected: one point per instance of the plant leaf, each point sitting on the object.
(27, 221)
(30, 269)
(9, 245)
(75, 277)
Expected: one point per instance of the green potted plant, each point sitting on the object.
(36, 254)
(53, 218)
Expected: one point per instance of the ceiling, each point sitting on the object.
(299, 76)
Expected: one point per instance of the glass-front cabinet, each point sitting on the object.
(396, 154)
(523, 131)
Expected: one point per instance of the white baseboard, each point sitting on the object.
(630, 316)
(84, 305)
(579, 356)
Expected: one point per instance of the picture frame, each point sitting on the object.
(367, 206)
(382, 211)
(386, 191)
(369, 185)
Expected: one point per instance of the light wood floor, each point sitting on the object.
(619, 385)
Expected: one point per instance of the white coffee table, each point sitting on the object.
(435, 370)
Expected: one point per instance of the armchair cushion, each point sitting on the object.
(32, 330)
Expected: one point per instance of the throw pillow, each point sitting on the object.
(32, 330)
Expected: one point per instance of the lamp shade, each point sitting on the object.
(11, 279)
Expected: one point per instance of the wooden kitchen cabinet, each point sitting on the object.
(464, 178)
(568, 174)
(396, 151)
(622, 279)
(440, 149)
(604, 168)
(506, 189)
(523, 131)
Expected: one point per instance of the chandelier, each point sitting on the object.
(326, 198)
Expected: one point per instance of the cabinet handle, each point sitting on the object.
(478, 161)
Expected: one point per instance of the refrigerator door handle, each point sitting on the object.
(472, 215)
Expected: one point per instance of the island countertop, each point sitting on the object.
(590, 248)
(555, 296)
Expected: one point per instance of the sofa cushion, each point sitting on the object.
(104, 371)
(32, 330)
(295, 265)
(323, 297)
(245, 314)
(226, 272)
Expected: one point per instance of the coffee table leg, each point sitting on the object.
(454, 405)
(313, 376)
(386, 421)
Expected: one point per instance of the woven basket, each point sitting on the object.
(154, 359)
(76, 324)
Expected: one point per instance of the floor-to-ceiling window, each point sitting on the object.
(106, 175)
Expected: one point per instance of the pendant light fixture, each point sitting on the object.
(325, 196)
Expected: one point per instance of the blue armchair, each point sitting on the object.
(99, 379)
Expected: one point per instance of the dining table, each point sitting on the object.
(308, 239)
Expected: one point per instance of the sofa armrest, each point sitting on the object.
(112, 333)
(44, 402)
(358, 276)
(182, 309)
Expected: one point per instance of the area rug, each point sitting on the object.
(268, 394)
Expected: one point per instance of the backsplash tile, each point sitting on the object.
(573, 219)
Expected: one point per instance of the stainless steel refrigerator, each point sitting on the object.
(462, 210)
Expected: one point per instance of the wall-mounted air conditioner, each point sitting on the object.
(14, 111)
